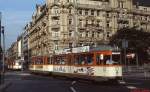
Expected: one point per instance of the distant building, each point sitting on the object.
(15, 57)
(25, 48)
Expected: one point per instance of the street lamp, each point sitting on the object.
(3, 33)
(2, 51)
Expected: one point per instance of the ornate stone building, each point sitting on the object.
(69, 23)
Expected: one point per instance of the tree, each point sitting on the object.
(138, 41)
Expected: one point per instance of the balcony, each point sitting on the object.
(93, 6)
(55, 38)
(81, 27)
(55, 26)
(71, 27)
(140, 12)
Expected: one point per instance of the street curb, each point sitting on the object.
(142, 78)
(4, 86)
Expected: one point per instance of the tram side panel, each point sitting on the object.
(108, 72)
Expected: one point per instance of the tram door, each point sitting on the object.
(103, 58)
(70, 60)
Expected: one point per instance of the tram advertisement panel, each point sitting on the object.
(60, 68)
(84, 70)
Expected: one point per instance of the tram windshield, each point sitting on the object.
(105, 58)
(116, 57)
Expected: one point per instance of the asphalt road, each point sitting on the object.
(25, 82)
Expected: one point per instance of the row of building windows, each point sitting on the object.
(87, 22)
(87, 34)
(89, 12)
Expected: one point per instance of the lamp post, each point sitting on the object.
(2, 52)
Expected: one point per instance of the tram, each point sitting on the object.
(99, 63)
(15, 65)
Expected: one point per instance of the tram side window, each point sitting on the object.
(98, 60)
(39, 61)
(107, 59)
(84, 59)
(60, 60)
(79, 60)
(55, 60)
(102, 60)
(90, 59)
(76, 60)
(49, 60)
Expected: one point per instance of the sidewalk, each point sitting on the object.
(139, 75)
(4, 86)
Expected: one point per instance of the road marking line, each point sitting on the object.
(122, 82)
(73, 82)
(24, 74)
(131, 87)
(72, 89)
(134, 83)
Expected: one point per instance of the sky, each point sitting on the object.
(15, 15)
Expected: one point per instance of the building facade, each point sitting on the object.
(60, 24)
(15, 56)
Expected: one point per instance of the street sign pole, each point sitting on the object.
(124, 46)
(3, 69)
(0, 50)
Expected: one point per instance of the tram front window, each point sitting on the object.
(103, 59)
(116, 58)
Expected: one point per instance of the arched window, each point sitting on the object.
(55, 10)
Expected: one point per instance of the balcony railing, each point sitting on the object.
(141, 12)
(55, 26)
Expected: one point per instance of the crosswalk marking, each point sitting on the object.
(72, 89)
(122, 82)
(131, 87)
(127, 84)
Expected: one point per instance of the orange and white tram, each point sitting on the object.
(98, 64)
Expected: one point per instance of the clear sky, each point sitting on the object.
(16, 13)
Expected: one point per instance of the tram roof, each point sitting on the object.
(88, 49)
(104, 47)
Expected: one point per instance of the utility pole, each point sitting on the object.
(3, 52)
(0, 51)
(125, 46)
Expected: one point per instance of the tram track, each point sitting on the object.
(71, 87)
